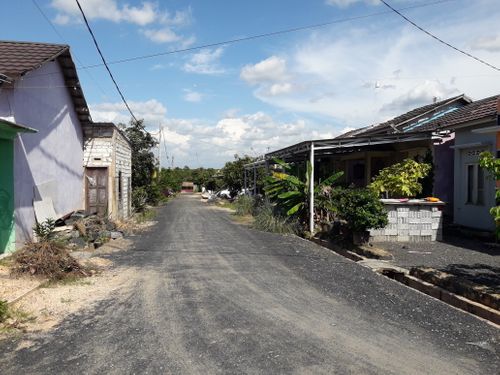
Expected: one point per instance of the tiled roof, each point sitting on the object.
(17, 58)
(416, 120)
(480, 109)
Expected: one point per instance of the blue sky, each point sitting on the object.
(267, 93)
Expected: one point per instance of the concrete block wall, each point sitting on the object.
(98, 152)
(411, 223)
(123, 163)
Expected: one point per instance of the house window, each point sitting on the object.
(475, 184)
(120, 186)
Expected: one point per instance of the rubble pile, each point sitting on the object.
(81, 230)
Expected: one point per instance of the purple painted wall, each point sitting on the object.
(444, 173)
(54, 155)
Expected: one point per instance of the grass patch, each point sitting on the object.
(269, 221)
(13, 319)
(6, 261)
(70, 280)
(146, 215)
(244, 219)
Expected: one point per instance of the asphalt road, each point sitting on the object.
(214, 297)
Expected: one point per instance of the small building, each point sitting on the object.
(187, 187)
(107, 161)
(40, 89)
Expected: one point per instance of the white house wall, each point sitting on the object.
(470, 215)
(123, 163)
(54, 155)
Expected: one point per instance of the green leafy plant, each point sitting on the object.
(401, 179)
(44, 231)
(269, 220)
(492, 165)
(290, 193)
(361, 208)
(139, 199)
(244, 205)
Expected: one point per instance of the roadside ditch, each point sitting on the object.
(457, 292)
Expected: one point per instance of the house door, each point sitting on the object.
(96, 191)
(7, 234)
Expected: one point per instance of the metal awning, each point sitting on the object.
(324, 147)
(11, 128)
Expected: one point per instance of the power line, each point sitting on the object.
(439, 39)
(104, 61)
(64, 41)
(265, 35)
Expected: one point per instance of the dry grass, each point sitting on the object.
(47, 259)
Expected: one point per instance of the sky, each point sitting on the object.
(365, 66)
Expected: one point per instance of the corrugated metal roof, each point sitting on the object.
(412, 121)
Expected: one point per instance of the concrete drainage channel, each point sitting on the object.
(403, 276)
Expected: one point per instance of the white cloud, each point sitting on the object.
(151, 111)
(346, 3)
(271, 69)
(163, 35)
(205, 61)
(109, 10)
(161, 22)
(357, 75)
(192, 96)
(420, 95)
(488, 43)
(280, 88)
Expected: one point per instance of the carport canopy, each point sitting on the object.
(327, 147)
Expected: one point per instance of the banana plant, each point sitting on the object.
(290, 193)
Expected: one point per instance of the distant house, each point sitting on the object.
(108, 170)
(40, 89)
(187, 187)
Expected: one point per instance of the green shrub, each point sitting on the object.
(45, 231)
(361, 208)
(139, 199)
(401, 179)
(266, 219)
(244, 205)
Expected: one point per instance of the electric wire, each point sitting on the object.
(264, 35)
(439, 39)
(104, 61)
(40, 10)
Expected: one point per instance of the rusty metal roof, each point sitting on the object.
(20, 58)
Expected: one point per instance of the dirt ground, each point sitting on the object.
(44, 304)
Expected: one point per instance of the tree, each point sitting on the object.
(292, 194)
(233, 174)
(143, 159)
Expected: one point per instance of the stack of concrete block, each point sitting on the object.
(411, 222)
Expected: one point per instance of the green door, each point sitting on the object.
(7, 232)
(8, 132)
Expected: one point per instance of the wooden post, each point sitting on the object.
(311, 191)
